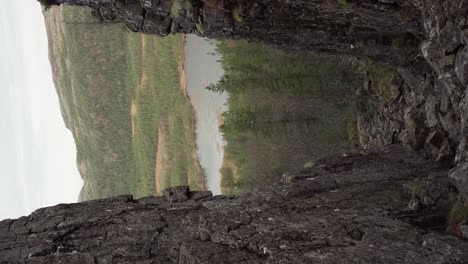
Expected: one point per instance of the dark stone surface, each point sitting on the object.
(432, 109)
(460, 177)
(343, 210)
(177, 194)
(387, 31)
(461, 65)
(464, 229)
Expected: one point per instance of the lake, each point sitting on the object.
(202, 67)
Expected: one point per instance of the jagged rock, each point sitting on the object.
(431, 51)
(452, 87)
(459, 175)
(462, 151)
(414, 204)
(200, 195)
(434, 142)
(463, 110)
(427, 200)
(361, 28)
(438, 147)
(346, 208)
(445, 154)
(464, 229)
(415, 130)
(449, 38)
(461, 65)
(426, 193)
(431, 111)
(177, 194)
(450, 122)
(383, 130)
(447, 61)
(435, 97)
(445, 103)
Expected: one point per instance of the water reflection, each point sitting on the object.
(202, 68)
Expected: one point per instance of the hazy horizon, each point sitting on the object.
(38, 153)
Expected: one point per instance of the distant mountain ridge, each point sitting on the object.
(100, 70)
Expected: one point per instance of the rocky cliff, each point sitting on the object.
(390, 206)
(386, 207)
(427, 103)
(387, 31)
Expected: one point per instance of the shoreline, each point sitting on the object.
(183, 86)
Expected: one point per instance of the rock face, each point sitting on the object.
(428, 108)
(351, 208)
(387, 31)
(387, 207)
(460, 177)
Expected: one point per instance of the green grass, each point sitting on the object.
(161, 105)
(98, 70)
(88, 63)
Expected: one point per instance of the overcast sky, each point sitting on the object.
(37, 152)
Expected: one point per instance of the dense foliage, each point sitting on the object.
(285, 110)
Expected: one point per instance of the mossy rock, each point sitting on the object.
(237, 13)
(309, 165)
(343, 3)
(179, 5)
(458, 215)
(202, 27)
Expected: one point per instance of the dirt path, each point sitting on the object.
(181, 70)
(220, 119)
(133, 112)
(143, 46)
(161, 158)
(229, 164)
(143, 62)
(143, 80)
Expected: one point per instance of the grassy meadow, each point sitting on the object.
(121, 97)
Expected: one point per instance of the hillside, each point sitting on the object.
(121, 97)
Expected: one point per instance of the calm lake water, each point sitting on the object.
(202, 68)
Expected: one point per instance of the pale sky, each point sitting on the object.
(37, 154)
